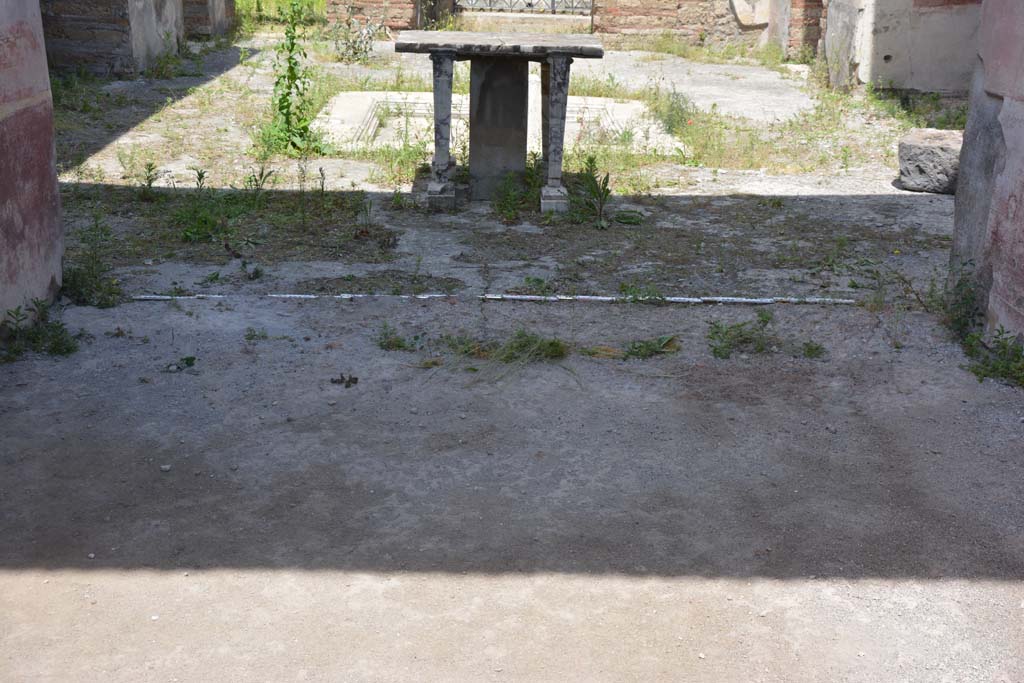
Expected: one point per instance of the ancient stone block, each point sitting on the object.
(498, 110)
(205, 18)
(930, 160)
(118, 37)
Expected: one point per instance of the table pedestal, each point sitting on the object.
(498, 118)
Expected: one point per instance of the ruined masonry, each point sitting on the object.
(31, 237)
(123, 38)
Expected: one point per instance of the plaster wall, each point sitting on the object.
(157, 28)
(926, 45)
(208, 17)
(990, 206)
(31, 237)
(118, 37)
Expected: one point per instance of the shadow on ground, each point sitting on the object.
(870, 463)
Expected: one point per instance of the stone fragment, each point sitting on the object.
(930, 160)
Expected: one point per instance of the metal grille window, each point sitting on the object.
(546, 6)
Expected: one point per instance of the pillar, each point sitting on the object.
(555, 98)
(440, 191)
(31, 237)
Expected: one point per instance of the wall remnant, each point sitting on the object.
(696, 21)
(926, 45)
(989, 236)
(31, 237)
(206, 18)
(111, 37)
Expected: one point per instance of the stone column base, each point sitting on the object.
(441, 196)
(554, 199)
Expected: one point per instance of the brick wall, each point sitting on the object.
(805, 20)
(695, 20)
(90, 34)
(396, 14)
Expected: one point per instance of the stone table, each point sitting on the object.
(499, 85)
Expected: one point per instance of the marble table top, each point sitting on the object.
(526, 45)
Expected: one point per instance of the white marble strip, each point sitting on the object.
(580, 298)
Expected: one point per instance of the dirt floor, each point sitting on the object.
(246, 487)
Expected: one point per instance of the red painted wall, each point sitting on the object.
(31, 238)
(1002, 52)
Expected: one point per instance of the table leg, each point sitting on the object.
(440, 191)
(555, 96)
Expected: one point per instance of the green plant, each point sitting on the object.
(43, 335)
(521, 347)
(750, 336)
(352, 38)
(388, 339)
(594, 192)
(629, 217)
(635, 293)
(508, 198)
(537, 286)
(86, 274)
(525, 347)
(200, 178)
(202, 221)
(1002, 359)
(648, 348)
(252, 334)
(150, 174)
(290, 126)
(813, 349)
(257, 180)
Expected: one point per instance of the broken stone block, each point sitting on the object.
(930, 160)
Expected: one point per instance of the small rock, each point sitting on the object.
(700, 655)
(165, 468)
(91, 556)
(332, 403)
(462, 416)
(930, 160)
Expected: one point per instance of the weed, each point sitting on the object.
(257, 179)
(751, 336)
(629, 217)
(521, 347)
(150, 174)
(169, 63)
(1003, 359)
(508, 198)
(41, 336)
(537, 286)
(388, 339)
(468, 346)
(648, 348)
(86, 275)
(525, 347)
(252, 334)
(352, 38)
(295, 101)
(594, 192)
(635, 293)
(813, 349)
(201, 176)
